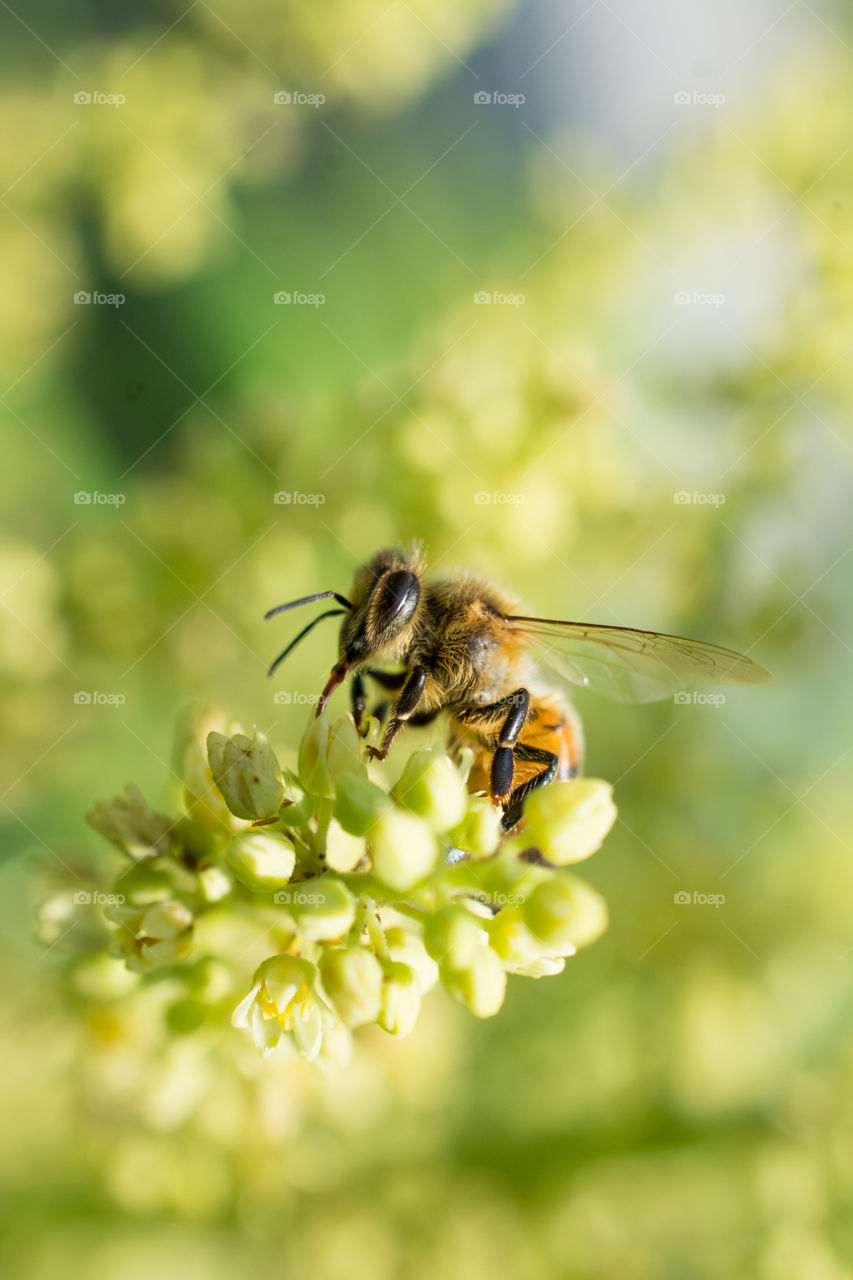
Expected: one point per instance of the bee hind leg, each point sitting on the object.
(511, 711)
(515, 802)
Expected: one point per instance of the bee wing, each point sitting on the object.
(633, 666)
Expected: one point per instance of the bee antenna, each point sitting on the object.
(320, 595)
(329, 613)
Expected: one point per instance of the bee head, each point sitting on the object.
(386, 595)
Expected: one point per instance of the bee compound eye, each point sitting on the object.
(398, 601)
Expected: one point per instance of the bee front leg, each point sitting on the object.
(358, 691)
(404, 709)
(358, 699)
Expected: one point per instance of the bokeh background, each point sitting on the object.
(647, 421)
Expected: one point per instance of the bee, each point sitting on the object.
(458, 646)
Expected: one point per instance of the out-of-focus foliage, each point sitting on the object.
(678, 1102)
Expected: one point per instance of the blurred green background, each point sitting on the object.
(646, 422)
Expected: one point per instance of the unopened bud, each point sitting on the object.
(479, 831)
(569, 820)
(323, 909)
(247, 773)
(519, 951)
(358, 803)
(261, 862)
(298, 803)
(453, 935)
(344, 750)
(343, 851)
(401, 998)
(352, 978)
(564, 913)
(480, 986)
(432, 788)
(314, 772)
(403, 849)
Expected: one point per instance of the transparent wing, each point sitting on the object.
(633, 666)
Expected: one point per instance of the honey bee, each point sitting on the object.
(457, 645)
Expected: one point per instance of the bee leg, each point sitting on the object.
(531, 755)
(404, 709)
(358, 699)
(422, 717)
(387, 679)
(513, 709)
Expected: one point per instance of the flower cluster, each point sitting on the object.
(355, 897)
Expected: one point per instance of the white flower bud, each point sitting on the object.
(403, 849)
(569, 820)
(432, 788)
(358, 802)
(480, 986)
(401, 998)
(564, 913)
(247, 773)
(453, 935)
(517, 948)
(479, 831)
(343, 851)
(314, 772)
(261, 862)
(322, 909)
(352, 979)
